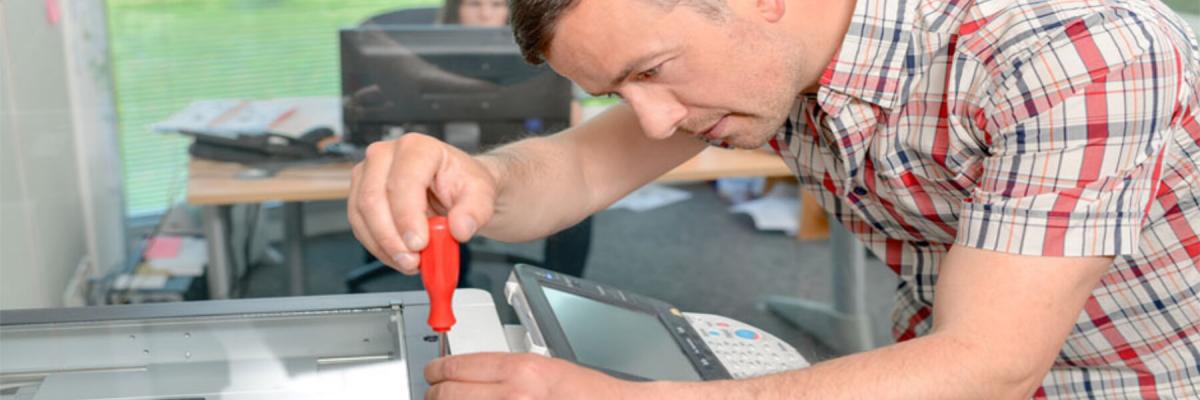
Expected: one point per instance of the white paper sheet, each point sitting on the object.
(140, 282)
(650, 197)
(779, 210)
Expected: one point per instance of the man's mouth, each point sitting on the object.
(716, 130)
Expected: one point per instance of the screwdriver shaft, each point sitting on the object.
(443, 345)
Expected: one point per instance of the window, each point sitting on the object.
(168, 53)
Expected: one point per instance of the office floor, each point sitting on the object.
(693, 254)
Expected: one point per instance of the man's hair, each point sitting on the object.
(534, 21)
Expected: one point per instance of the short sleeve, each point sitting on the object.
(1079, 136)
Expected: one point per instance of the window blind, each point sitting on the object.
(168, 53)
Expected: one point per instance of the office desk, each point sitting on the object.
(216, 187)
(217, 183)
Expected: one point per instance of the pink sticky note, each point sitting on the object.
(52, 12)
(163, 247)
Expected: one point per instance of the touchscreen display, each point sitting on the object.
(607, 336)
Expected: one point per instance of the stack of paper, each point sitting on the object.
(227, 118)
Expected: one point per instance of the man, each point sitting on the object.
(1032, 163)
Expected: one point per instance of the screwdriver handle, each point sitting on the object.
(439, 272)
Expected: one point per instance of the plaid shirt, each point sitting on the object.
(1042, 128)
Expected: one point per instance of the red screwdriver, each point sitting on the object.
(439, 272)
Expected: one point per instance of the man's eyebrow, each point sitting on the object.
(630, 68)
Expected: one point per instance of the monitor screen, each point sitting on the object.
(404, 78)
(619, 339)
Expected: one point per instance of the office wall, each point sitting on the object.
(47, 177)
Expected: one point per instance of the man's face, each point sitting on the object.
(730, 78)
(491, 13)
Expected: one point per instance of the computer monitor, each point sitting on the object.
(468, 86)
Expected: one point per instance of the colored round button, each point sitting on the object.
(746, 334)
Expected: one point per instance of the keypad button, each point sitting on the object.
(746, 334)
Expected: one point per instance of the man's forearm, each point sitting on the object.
(540, 189)
(548, 183)
(999, 322)
(929, 367)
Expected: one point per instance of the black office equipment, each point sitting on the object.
(467, 86)
(258, 148)
(615, 331)
(637, 337)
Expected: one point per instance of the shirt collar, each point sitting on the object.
(872, 63)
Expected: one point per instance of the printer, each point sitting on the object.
(362, 346)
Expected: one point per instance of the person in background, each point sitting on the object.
(483, 13)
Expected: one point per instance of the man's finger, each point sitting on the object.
(357, 224)
(356, 221)
(372, 203)
(470, 202)
(408, 187)
(465, 390)
(476, 367)
(436, 206)
(472, 208)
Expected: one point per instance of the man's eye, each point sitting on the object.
(648, 74)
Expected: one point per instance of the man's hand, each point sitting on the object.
(402, 182)
(522, 191)
(520, 376)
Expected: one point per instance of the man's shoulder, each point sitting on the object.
(1004, 33)
(1023, 46)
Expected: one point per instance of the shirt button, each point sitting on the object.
(861, 191)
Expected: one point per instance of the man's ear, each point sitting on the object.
(771, 10)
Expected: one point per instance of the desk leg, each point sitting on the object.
(843, 326)
(293, 228)
(216, 229)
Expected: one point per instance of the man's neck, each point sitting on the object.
(823, 25)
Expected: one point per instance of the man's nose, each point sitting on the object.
(658, 111)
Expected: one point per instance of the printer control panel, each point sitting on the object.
(633, 336)
(745, 351)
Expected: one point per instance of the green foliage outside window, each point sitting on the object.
(168, 53)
